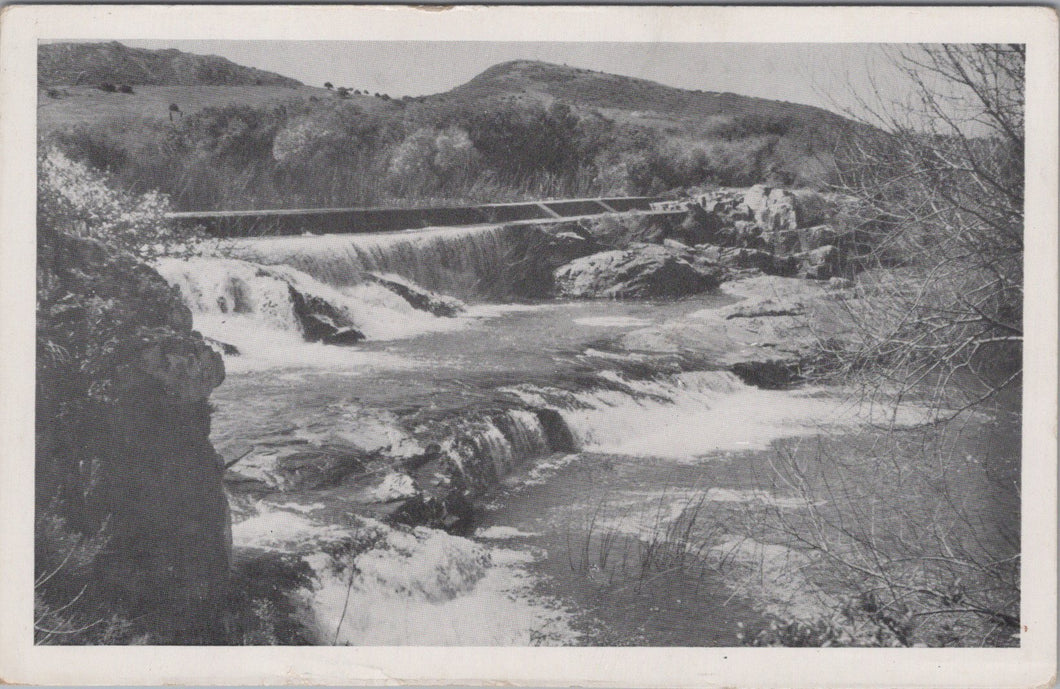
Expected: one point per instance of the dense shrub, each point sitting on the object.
(75, 199)
(344, 152)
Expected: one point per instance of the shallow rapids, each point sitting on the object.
(558, 434)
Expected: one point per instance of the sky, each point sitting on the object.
(825, 75)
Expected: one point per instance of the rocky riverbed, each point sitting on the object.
(391, 401)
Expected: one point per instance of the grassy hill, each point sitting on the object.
(518, 130)
(634, 98)
(797, 139)
(82, 105)
(62, 64)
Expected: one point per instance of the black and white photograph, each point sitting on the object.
(483, 342)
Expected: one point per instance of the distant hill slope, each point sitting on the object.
(640, 99)
(74, 106)
(67, 64)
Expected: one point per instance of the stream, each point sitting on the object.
(602, 478)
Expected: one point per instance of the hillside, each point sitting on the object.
(72, 64)
(520, 130)
(71, 106)
(637, 98)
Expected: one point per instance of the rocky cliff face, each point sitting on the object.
(122, 434)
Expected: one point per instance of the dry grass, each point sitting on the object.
(79, 105)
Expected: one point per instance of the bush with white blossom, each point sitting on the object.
(75, 198)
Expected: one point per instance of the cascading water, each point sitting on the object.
(442, 401)
(683, 415)
(467, 262)
(261, 310)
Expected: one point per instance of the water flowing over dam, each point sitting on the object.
(462, 261)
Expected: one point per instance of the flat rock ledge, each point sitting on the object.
(768, 338)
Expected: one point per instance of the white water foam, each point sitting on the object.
(429, 588)
(250, 306)
(418, 586)
(395, 485)
(613, 321)
(693, 414)
(269, 349)
(284, 529)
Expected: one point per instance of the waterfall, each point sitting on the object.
(467, 262)
(268, 311)
(489, 448)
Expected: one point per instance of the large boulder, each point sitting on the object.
(718, 216)
(729, 205)
(779, 218)
(698, 227)
(122, 437)
(322, 321)
(531, 262)
(646, 271)
(419, 298)
(782, 213)
(761, 217)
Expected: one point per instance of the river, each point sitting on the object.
(601, 477)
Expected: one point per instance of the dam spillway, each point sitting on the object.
(280, 222)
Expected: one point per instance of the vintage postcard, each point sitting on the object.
(544, 346)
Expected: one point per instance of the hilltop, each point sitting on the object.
(547, 82)
(73, 64)
(797, 139)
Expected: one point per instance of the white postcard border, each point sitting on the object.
(1030, 665)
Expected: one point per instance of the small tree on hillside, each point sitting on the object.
(328, 85)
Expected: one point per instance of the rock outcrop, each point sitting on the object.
(532, 262)
(645, 271)
(779, 220)
(321, 321)
(122, 433)
(821, 263)
(419, 298)
(769, 338)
